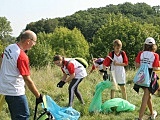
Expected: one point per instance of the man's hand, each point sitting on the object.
(39, 100)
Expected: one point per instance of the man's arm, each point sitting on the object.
(30, 84)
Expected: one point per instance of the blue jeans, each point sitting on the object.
(18, 107)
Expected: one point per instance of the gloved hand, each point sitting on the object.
(60, 84)
(105, 75)
(39, 100)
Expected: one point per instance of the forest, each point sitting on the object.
(91, 31)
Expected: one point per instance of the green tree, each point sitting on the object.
(5, 28)
(5, 33)
(43, 25)
(41, 54)
(88, 23)
(70, 43)
(132, 35)
(1, 47)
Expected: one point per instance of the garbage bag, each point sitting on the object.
(60, 113)
(96, 102)
(117, 104)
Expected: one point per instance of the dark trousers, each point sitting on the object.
(73, 89)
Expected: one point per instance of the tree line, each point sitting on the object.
(92, 32)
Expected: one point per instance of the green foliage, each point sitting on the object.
(41, 54)
(1, 47)
(5, 43)
(5, 28)
(5, 33)
(43, 25)
(89, 21)
(62, 41)
(96, 27)
(86, 22)
(132, 35)
(70, 43)
(131, 23)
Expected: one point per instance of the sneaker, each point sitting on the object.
(153, 116)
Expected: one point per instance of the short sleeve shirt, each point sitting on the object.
(150, 57)
(15, 64)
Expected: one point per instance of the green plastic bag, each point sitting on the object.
(95, 105)
(117, 104)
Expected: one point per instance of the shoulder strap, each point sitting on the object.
(110, 58)
(112, 54)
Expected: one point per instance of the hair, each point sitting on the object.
(150, 47)
(117, 42)
(57, 57)
(26, 35)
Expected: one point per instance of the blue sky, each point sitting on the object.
(22, 12)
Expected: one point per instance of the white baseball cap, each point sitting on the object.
(150, 41)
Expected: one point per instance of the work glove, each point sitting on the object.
(39, 100)
(105, 75)
(60, 84)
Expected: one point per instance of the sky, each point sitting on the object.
(22, 12)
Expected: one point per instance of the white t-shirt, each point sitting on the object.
(79, 70)
(147, 57)
(120, 74)
(14, 65)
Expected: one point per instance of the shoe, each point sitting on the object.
(153, 116)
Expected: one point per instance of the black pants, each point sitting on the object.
(73, 89)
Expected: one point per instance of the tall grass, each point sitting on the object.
(47, 78)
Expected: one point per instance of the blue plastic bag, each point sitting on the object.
(61, 113)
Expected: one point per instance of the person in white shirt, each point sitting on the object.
(73, 72)
(117, 61)
(147, 55)
(15, 73)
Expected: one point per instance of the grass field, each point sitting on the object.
(46, 80)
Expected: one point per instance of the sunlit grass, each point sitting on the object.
(47, 78)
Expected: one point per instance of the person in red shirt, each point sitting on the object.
(15, 74)
(98, 64)
(116, 62)
(147, 55)
(73, 73)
